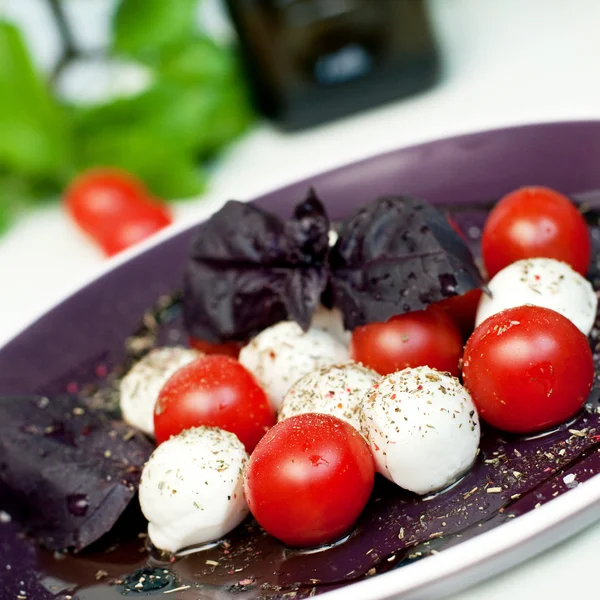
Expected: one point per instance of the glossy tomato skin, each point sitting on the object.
(308, 479)
(528, 368)
(134, 226)
(420, 338)
(215, 391)
(462, 310)
(535, 222)
(114, 208)
(99, 195)
(227, 348)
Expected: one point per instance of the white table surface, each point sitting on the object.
(507, 62)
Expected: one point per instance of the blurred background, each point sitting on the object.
(198, 101)
(184, 104)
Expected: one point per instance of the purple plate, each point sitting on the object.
(79, 339)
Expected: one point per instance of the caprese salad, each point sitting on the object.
(325, 357)
(295, 428)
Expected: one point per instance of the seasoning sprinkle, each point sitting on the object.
(179, 589)
(129, 435)
(465, 496)
(578, 432)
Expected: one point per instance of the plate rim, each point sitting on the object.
(551, 520)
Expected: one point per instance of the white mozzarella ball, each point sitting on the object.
(422, 428)
(191, 489)
(542, 282)
(337, 390)
(141, 385)
(282, 353)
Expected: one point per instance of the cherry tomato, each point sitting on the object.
(215, 391)
(462, 310)
(228, 348)
(528, 368)
(114, 208)
(134, 226)
(100, 194)
(420, 338)
(535, 222)
(308, 479)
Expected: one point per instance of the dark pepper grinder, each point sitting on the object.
(310, 61)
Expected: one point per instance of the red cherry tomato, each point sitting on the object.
(535, 222)
(100, 194)
(215, 391)
(462, 310)
(228, 348)
(134, 226)
(308, 479)
(114, 208)
(414, 339)
(528, 368)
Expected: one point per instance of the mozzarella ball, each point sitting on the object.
(542, 282)
(422, 428)
(191, 489)
(282, 353)
(141, 385)
(337, 390)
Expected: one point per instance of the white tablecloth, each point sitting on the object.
(506, 62)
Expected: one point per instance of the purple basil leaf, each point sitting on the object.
(396, 255)
(248, 270)
(66, 471)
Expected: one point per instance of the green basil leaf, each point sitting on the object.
(214, 83)
(231, 117)
(197, 61)
(143, 28)
(195, 107)
(168, 173)
(178, 115)
(151, 136)
(180, 178)
(34, 138)
(15, 192)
